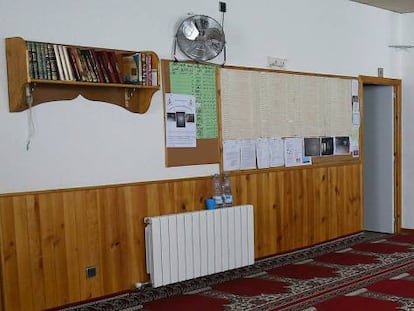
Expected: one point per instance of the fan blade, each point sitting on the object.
(190, 30)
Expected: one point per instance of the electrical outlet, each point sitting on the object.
(90, 272)
(275, 62)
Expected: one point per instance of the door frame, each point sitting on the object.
(397, 86)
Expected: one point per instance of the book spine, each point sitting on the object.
(67, 62)
(63, 60)
(139, 62)
(115, 66)
(73, 64)
(46, 61)
(30, 54)
(101, 64)
(58, 62)
(84, 63)
(96, 66)
(79, 64)
(39, 61)
(35, 61)
(129, 69)
(154, 77)
(108, 67)
(144, 68)
(53, 63)
(91, 65)
(149, 69)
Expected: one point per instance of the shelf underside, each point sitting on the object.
(133, 99)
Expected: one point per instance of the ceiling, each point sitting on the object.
(399, 6)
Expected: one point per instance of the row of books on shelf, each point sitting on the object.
(59, 62)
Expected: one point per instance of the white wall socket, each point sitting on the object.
(276, 62)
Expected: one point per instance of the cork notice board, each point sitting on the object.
(201, 81)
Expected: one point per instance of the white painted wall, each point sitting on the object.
(80, 143)
(407, 38)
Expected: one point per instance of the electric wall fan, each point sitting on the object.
(200, 38)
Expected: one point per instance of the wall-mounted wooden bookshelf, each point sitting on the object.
(33, 75)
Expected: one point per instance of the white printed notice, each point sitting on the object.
(293, 151)
(263, 153)
(231, 155)
(276, 152)
(180, 120)
(248, 154)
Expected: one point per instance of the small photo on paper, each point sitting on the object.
(171, 116)
(327, 146)
(312, 146)
(342, 145)
(180, 118)
(189, 117)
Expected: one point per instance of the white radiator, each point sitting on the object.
(189, 245)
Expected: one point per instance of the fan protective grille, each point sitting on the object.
(200, 37)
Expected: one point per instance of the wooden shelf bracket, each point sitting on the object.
(129, 93)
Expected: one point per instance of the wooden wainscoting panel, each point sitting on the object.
(138, 206)
(48, 239)
(345, 193)
(53, 246)
(11, 248)
(111, 220)
(74, 228)
(265, 217)
(89, 238)
(321, 205)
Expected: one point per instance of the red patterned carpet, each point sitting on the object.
(366, 275)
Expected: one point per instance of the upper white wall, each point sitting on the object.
(82, 143)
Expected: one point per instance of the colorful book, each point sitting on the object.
(86, 67)
(144, 68)
(73, 64)
(96, 66)
(80, 65)
(137, 58)
(115, 65)
(101, 64)
(129, 69)
(108, 67)
(149, 69)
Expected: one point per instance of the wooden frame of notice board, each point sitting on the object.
(284, 75)
(206, 150)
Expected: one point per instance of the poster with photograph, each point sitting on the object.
(180, 120)
(312, 146)
(341, 145)
(327, 146)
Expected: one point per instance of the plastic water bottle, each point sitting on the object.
(227, 196)
(217, 190)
